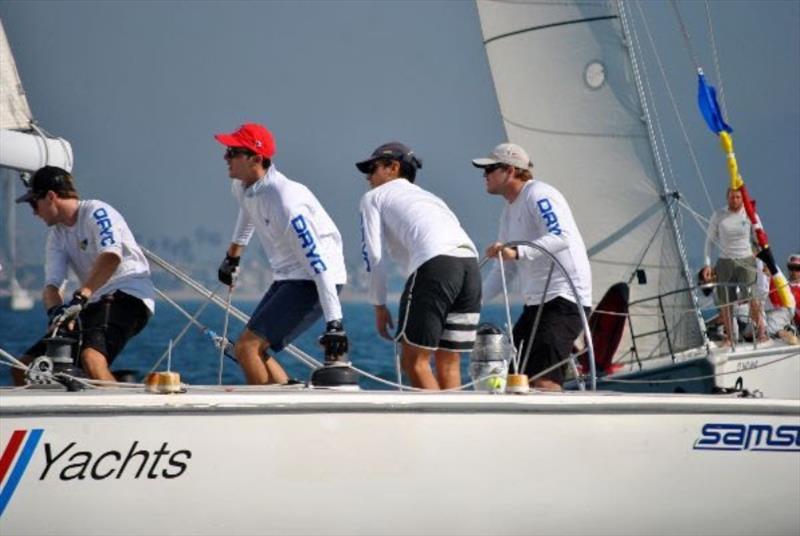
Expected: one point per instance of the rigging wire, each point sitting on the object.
(676, 111)
(685, 32)
(718, 72)
(192, 320)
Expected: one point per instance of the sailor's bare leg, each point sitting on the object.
(758, 321)
(416, 363)
(96, 365)
(725, 313)
(448, 369)
(249, 349)
(275, 370)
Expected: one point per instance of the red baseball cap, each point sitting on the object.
(250, 136)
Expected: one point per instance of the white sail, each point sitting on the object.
(566, 89)
(14, 110)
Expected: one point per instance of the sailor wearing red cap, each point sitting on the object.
(304, 249)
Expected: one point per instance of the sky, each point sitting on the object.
(139, 89)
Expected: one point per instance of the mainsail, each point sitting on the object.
(566, 87)
(15, 113)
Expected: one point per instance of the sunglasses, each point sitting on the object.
(492, 168)
(794, 267)
(34, 202)
(233, 152)
(374, 165)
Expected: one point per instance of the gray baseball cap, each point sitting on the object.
(510, 154)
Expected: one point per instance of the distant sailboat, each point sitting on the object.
(25, 148)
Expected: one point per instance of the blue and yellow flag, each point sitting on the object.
(707, 100)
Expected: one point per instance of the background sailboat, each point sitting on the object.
(571, 90)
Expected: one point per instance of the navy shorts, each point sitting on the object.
(441, 303)
(106, 326)
(287, 309)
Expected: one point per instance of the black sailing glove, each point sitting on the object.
(334, 340)
(228, 270)
(59, 314)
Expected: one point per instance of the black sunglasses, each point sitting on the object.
(33, 201)
(492, 168)
(233, 152)
(374, 165)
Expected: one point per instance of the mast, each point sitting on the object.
(666, 195)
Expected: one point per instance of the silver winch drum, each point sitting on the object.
(489, 360)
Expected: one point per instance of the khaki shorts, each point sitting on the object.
(733, 274)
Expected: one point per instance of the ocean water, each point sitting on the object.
(196, 358)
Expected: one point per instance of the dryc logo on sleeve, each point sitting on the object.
(308, 244)
(23, 442)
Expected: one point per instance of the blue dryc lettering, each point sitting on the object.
(104, 223)
(308, 244)
(550, 218)
(364, 246)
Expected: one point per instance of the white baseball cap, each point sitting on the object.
(506, 153)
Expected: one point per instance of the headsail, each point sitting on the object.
(566, 88)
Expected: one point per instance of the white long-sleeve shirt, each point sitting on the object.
(297, 234)
(410, 225)
(732, 232)
(541, 215)
(99, 229)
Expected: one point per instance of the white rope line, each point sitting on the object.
(14, 362)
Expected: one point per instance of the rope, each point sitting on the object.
(13, 361)
(235, 312)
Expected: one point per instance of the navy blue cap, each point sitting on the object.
(47, 178)
(394, 150)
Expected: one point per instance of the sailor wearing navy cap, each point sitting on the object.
(304, 249)
(440, 304)
(115, 297)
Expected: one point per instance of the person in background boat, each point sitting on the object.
(706, 281)
(732, 232)
(304, 249)
(115, 297)
(440, 304)
(779, 320)
(538, 213)
(793, 266)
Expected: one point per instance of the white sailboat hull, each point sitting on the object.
(772, 369)
(321, 462)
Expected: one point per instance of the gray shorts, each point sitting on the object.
(733, 274)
